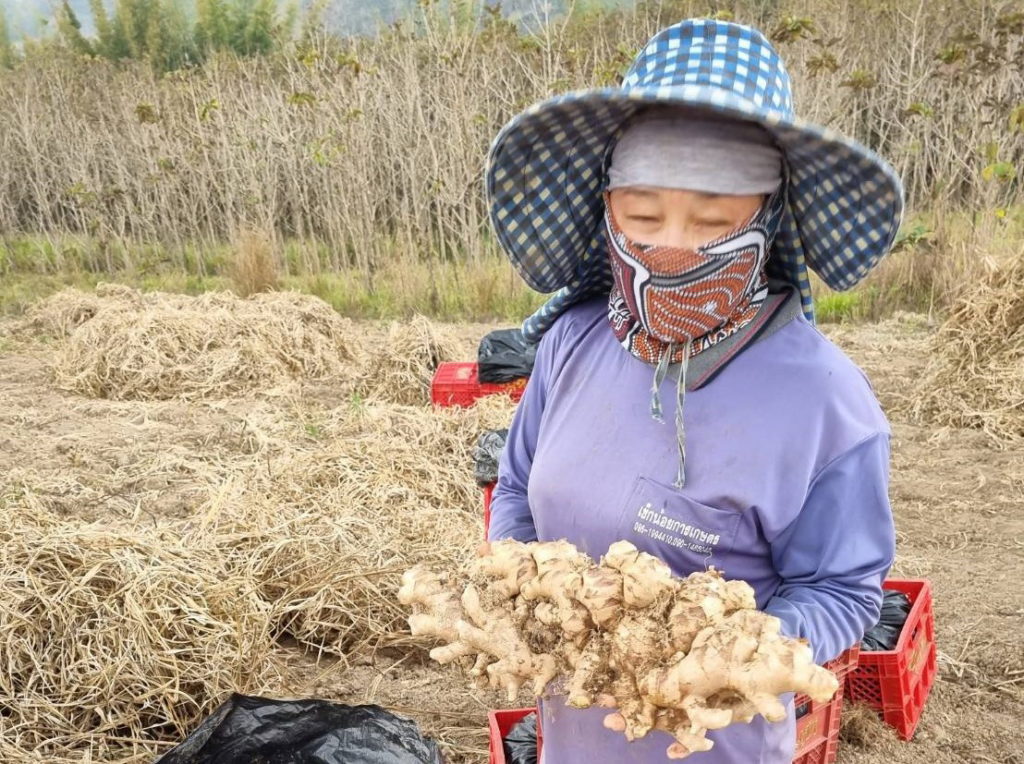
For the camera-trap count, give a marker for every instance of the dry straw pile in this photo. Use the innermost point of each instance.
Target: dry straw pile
(118, 636)
(976, 377)
(61, 313)
(111, 639)
(325, 532)
(126, 345)
(400, 368)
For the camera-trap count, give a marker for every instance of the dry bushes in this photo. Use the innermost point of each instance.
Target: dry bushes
(976, 377)
(190, 157)
(120, 633)
(861, 728)
(253, 268)
(401, 368)
(157, 346)
(60, 314)
(326, 532)
(123, 344)
(112, 638)
(301, 515)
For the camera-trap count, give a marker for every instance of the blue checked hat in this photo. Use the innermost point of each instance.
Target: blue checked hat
(546, 169)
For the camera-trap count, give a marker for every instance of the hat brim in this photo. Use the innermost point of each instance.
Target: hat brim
(545, 174)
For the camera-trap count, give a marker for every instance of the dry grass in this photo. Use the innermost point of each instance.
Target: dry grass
(328, 531)
(126, 526)
(371, 149)
(120, 629)
(112, 639)
(862, 728)
(976, 376)
(152, 346)
(60, 314)
(386, 484)
(253, 267)
(400, 368)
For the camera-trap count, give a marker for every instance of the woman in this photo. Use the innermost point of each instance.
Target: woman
(682, 398)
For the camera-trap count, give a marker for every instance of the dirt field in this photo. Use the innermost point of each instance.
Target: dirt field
(958, 500)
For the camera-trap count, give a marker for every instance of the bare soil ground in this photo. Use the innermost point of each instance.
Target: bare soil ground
(957, 497)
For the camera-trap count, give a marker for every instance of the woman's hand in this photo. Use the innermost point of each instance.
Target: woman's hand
(613, 721)
(484, 549)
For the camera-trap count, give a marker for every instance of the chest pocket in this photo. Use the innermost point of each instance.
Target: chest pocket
(686, 534)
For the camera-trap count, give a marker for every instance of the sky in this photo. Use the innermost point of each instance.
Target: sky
(29, 17)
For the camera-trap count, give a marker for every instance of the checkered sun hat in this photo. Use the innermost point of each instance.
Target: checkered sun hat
(546, 169)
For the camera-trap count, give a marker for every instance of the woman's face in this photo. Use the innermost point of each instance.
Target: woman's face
(671, 217)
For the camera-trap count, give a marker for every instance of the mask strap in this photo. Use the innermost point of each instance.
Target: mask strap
(680, 406)
(660, 372)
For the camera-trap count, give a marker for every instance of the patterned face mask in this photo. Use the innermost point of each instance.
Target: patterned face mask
(669, 303)
(671, 298)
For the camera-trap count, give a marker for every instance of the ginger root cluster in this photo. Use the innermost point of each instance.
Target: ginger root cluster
(680, 655)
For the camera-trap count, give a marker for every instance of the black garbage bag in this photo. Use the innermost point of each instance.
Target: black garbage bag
(886, 633)
(504, 355)
(521, 741)
(248, 729)
(486, 454)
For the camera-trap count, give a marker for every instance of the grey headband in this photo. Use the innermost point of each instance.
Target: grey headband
(696, 153)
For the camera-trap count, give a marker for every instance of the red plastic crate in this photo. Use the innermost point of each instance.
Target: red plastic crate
(488, 493)
(457, 384)
(817, 730)
(500, 722)
(896, 683)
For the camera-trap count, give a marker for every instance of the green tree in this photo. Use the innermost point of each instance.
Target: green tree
(157, 43)
(70, 30)
(104, 43)
(213, 25)
(114, 40)
(245, 27)
(255, 23)
(132, 19)
(180, 49)
(7, 54)
(162, 32)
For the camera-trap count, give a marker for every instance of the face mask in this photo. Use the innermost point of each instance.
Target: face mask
(685, 298)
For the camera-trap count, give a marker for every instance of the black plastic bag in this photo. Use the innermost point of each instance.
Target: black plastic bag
(521, 741)
(486, 454)
(886, 633)
(248, 729)
(504, 355)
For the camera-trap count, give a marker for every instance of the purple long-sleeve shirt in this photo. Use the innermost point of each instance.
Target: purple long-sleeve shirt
(787, 489)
